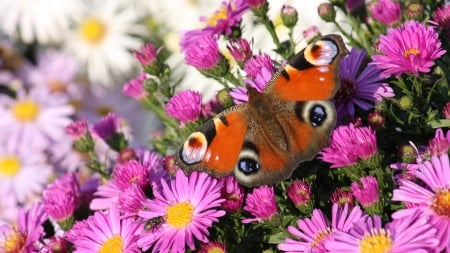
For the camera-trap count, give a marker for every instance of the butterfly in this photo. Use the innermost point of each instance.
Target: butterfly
(263, 141)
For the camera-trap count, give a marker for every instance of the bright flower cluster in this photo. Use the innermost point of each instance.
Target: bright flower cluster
(96, 98)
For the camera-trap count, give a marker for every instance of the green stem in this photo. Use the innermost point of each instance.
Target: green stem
(160, 112)
(347, 35)
(271, 29)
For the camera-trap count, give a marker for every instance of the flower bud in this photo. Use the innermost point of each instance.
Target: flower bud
(414, 11)
(289, 16)
(326, 12)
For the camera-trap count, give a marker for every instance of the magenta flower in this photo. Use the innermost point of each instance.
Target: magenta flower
(239, 95)
(131, 200)
(367, 193)
(107, 126)
(348, 144)
(186, 106)
(446, 111)
(77, 129)
(233, 193)
(106, 231)
(411, 234)
(429, 196)
(221, 22)
(147, 55)
(410, 48)
(240, 50)
(255, 3)
(299, 192)
(130, 173)
(261, 204)
(342, 197)
(358, 88)
(388, 12)
(62, 197)
(314, 232)
(188, 207)
(134, 88)
(26, 234)
(213, 247)
(440, 144)
(260, 70)
(204, 53)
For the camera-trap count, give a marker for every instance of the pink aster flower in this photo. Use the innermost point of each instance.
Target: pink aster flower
(388, 12)
(107, 231)
(239, 95)
(131, 200)
(233, 193)
(313, 233)
(189, 206)
(429, 196)
(34, 119)
(204, 53)
(25, 236)
(77, 129)
(147, 55)
(367, 193)
(358, 88)
(221, 22)
(240, 50)
(213, 247)
(261, 204)
(440, 144)
(446, 111)
(62, 197)
(410, 48)
(186, 106)
(259, 70)
(411, 234)
(107, 126)
(342, 197)
(349, 144)
(299, 192)
(134, 87)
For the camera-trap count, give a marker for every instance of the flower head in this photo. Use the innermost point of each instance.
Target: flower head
(233, 193)
(240, 50)
(189, 206)
(358, 88)
(186, 106)
(429, 196)
(135, 87)
(314, 232)
(342, 197)
(213, 247)
(239, 95)
(261, 204)
(147, 55)
(349, 144)
(107, 231)
(388, 12)
(299, 192)
(259, 70)
(402, 235)
(367, 193)
(410, 48)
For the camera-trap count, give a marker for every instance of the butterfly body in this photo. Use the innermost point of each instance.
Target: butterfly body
(264, 140)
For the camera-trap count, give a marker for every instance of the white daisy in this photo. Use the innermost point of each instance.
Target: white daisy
(23, 174)
(44, 21)
(33, 120)
(104, 37)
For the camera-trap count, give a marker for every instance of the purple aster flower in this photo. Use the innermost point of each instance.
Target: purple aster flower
(313, 233)
(440, 144)
(240, 50)
(61, 198)
(239, 95)
(134, 87)
(107, 126)
(410, 48)
(221, 22)
(260, 70)
(233, 193)
(147, 55)
(366, 192)
(132, 172)
(187, 207)
(411, 234)
(299, 192)
(441, 17)
(186, 106)
(388, 12)
(429, 196)
(311, 33)
(261, 204)
(26, 234)
(77, 129)
(342, 197)
(131, 200)
(348, 144)
(358, 88)
(204, 54)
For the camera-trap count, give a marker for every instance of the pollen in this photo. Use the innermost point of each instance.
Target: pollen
(112, 245)
(180, 214)
(324, 233)
(9, 166)
(377, 241)
(25, 111)
(441, 203)
(93, 30)
(411, 51)
(219, 15)
(14, 242)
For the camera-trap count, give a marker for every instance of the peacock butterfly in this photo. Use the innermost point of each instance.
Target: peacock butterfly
(264, 140)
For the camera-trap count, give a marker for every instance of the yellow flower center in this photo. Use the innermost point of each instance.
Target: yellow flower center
(9, 166)
(57, 86)
(93, 30)
(180, 215)
(14, 242)
(441, 203)
(215, 250)
(25, 111)
(103, 110)
(320, 236)
(378, 241)
(411, 51)
(112, 245)
(221, 14)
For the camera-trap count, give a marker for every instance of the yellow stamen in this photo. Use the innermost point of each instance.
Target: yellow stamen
(93, 30)
(112, 245)
(321, 235)
(9, 166)
(411, 51)
(25, 111)
(378, 241)
(180, 215)
(215, 250)
(14, 242)
(441, 202)
(57, 86)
